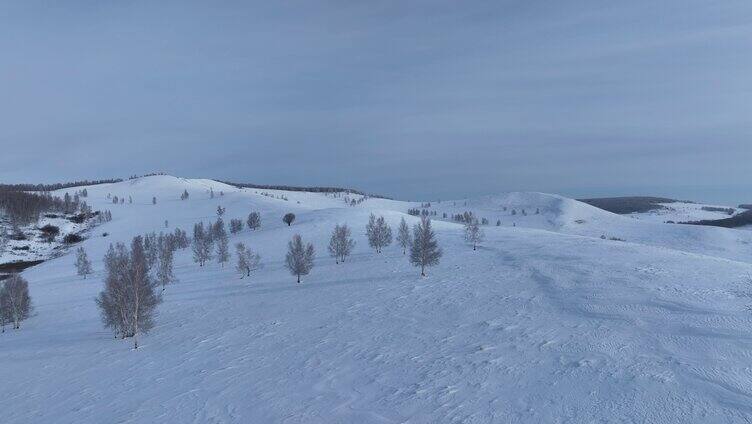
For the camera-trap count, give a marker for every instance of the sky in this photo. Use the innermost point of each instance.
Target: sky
(415, 100)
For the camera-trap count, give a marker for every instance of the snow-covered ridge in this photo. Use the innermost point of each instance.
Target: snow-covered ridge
(545, 322)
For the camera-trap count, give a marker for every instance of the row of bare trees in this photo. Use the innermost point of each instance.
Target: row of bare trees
(422, 243)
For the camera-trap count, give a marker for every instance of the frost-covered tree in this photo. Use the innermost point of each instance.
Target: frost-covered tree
(166, 247)
(151, 250)
(181, 239)
(498, 223)
(153, 200)
(15, 300)
(3, 240)
(223, 249)
(202, 244)
(83, 264)
(299, 259)
(473, 233)
(236, 225)
(254, 221)
(341, 244)
(220, 211)
(404, 238)
(425, 250)
(288, 218)
(5, 315)
(184, 195)
(217, 228)
(248, 260)
(67, 205)
(379, 233)
(128, 302)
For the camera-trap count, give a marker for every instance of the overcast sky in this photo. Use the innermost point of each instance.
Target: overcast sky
(411, 99)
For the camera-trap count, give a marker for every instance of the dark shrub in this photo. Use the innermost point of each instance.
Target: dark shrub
(78, 219)
(49, 232)
(72, 238)
(19, 236)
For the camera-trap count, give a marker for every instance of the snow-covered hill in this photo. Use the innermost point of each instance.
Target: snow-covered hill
(545, 322)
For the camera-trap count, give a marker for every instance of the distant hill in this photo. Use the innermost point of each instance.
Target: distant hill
(626, 205)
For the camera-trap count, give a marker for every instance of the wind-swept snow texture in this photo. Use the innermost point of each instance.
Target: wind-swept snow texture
(545, 322)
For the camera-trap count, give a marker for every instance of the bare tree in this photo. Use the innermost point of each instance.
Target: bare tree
(404, 238)
(202, 244)
(16, 300)
(299, 259)
(5, 315)
(378, 232)
(288, 218)
(128, 302)
(151, 250)
(181, 239)
(3, 240)
(248, 260)
(166, 247)
(236, 225)
(425, 250)
(473, 233)
(341, 244)
(83, 264)
(217, 229)
(254, 221)
(223, 249)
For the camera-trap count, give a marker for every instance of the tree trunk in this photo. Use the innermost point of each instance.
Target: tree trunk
(298, 278)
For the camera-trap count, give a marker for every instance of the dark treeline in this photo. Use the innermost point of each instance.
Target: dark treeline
(153, 174)
(727, 211)
(626, 205)
(304, 189)
(24, 208)
(56, 186)
(740, 220)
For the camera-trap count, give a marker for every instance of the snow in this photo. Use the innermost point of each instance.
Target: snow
(545, 322)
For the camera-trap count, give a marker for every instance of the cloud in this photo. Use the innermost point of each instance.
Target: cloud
(417, 99)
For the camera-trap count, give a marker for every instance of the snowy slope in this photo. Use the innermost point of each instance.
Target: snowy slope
(683, 212)
(546, 322)
(570, 216)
